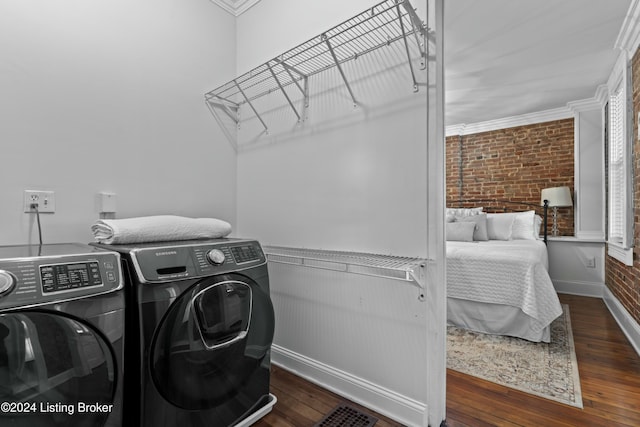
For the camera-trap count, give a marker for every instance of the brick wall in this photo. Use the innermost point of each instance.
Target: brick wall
(513, 164)
(622, 280)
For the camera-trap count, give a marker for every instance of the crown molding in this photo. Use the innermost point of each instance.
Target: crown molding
(235, 7)
(455, 130)
(572, 108)
(594, 103)
(509, 122)
(629, 35)
(602, 93)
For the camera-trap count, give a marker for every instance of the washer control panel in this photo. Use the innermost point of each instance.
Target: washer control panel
(45, 274)
(64, 277)
(168, 263)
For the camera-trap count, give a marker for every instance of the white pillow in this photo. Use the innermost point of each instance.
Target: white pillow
(499, 226)
(463, 211)
(524, 225)
(460, 231)
(480, 220)
(537, 227)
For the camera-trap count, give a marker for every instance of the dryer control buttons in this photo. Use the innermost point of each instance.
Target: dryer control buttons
(215, 257)
(7, 282)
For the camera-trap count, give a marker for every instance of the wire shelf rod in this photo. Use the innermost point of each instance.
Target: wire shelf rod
(369, 31)
(361, 37)
(356, 258)
(319, 69)
(309, 56)
(379, 26)
(360, 19)
(406, 269)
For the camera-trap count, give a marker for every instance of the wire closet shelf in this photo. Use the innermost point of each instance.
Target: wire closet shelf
(379, 26)
(407, 269)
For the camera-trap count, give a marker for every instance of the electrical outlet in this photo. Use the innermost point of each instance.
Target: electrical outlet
(591, 262)
(44, 199)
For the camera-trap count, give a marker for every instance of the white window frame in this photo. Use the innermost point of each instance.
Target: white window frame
(620, 172)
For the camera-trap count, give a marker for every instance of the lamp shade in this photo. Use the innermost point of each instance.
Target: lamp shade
(557, 196)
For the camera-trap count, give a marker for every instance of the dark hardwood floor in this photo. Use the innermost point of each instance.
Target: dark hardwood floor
(609, 376)
(303, 404)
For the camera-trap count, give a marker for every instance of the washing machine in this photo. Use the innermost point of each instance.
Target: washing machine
(200, 324)
(61, 336)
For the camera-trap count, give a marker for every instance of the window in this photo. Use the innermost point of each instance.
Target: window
(619, 134)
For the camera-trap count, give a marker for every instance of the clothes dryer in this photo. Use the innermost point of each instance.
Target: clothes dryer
(61, 336)
(200, 330)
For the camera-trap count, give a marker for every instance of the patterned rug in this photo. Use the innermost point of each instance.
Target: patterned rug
(546, 370)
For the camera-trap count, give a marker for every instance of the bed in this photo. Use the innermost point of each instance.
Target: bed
(497, 273)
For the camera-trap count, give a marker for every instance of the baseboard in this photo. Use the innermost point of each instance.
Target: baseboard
(627, 323)
(386, 402)
(629, 326)
(585, 289)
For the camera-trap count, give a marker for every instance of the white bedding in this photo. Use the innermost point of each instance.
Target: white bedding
(511, 273)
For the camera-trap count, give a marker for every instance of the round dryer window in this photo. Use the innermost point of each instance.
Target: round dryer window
(211, 341)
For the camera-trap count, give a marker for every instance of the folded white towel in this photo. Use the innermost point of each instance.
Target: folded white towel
(157, 229)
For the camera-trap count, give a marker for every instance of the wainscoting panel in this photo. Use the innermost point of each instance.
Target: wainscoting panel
(363, 337)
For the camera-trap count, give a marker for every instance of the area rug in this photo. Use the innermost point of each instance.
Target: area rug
(545, 370)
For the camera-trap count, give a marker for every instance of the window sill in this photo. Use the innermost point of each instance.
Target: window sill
(574, 239)
(623, 255)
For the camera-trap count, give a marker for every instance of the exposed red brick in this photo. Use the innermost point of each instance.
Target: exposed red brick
(623, 280)
(513, 164)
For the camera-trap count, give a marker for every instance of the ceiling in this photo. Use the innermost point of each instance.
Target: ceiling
(506, 58)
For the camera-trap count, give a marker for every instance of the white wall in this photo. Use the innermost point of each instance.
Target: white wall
(108, 96)
(272, 27)
(345, 178)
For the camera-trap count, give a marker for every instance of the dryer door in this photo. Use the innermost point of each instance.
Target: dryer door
(54, 369)
(213, 343)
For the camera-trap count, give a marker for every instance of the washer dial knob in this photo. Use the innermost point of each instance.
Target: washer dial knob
(7, 282)
(215, 257)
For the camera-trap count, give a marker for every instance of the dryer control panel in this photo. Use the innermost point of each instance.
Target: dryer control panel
(156, 264)
(40, 274)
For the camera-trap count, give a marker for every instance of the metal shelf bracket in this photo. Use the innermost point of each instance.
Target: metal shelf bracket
(284, 92)
(406, 46)
(230, 108)
(248, 101)
(337, 64)
(419, 276)
(303, 89)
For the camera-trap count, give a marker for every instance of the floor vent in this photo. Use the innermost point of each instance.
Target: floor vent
(346, 416)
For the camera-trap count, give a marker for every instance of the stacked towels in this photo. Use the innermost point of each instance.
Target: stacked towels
(158, 228)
